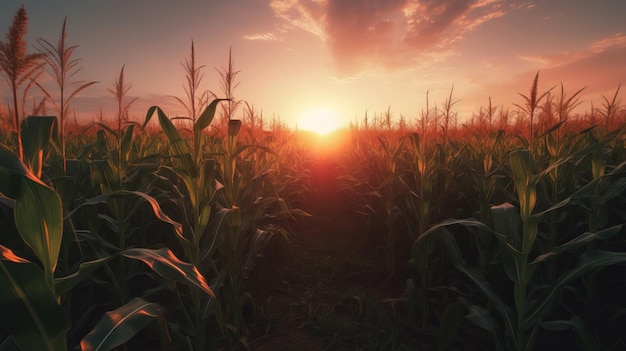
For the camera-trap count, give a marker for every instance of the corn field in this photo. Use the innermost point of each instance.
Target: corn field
(503, 233)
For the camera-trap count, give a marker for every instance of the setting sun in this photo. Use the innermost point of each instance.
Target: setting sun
(320, 120)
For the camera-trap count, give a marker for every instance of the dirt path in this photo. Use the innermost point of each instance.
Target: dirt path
(315, 297)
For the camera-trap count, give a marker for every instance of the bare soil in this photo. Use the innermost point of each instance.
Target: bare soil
(329, 291)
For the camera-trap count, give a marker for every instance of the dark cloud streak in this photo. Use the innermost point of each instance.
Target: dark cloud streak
(429, 21)
(387, 34)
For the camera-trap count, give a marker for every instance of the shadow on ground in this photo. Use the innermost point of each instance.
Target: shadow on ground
(331, 291)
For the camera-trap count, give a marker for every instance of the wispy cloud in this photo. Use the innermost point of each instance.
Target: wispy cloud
(599, 67)
(607, 46)
(522, 5)
(269, 36)
(617, 40)
(387, 34)
(304, 14)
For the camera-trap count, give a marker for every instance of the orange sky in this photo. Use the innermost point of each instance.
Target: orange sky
(347, 56)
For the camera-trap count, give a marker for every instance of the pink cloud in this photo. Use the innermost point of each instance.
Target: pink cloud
(617, 40)
(387, 34)
(597, 49)
(599, 68)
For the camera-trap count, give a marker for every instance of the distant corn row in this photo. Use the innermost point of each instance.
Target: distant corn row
(517, 240)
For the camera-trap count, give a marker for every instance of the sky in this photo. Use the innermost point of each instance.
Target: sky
(349, 57)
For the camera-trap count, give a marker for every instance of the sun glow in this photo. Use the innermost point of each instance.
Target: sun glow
(320, 120)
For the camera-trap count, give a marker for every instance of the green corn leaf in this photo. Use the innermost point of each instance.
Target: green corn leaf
(207, 184)
(126, 146)
(102, 134)
(118, 326)
(451, 320)
(109, 222)
(506, 221)
(598, 163)
(577, 242)
(185, 325)
(212, 307)
(481, 283)
(203, 218)
(36, 133)
(166, 264)
(473, 223)
(205, 119)
(586, 335)
(576, 323)
(618, 188)
(39, 219)
(557, 325)
(551, 145)
(520, 167)
(12, 170)
(515, 265)
(218, 190)
(64, 284)
(241, 148)
(618, 169)
(38, 210)
(104, 176)
(191, 186)
(30, 312)
(177, 144)
(258, 242)
(475, 277)
(483, 319)
(552, 129)
(156, 208)
(552, 166)
(588, 261)
(217, 226)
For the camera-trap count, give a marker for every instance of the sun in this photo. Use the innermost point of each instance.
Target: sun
(319, 120)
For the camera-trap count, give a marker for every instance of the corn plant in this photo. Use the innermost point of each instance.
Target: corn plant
(201, 189)
(556, 144)
(531, 104)
(611, 107)
(225, 201)
(18, 65)
(228, 84)
(31, 292)
(195, 101)
(515, 321)
(110, 167)
(62, 68)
